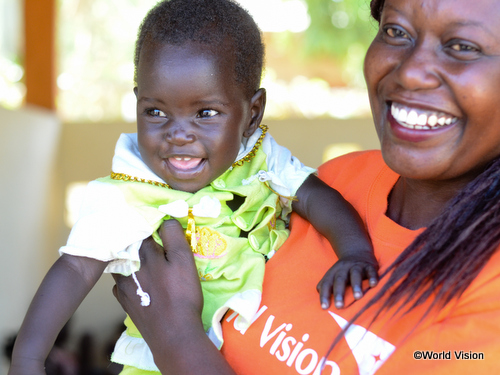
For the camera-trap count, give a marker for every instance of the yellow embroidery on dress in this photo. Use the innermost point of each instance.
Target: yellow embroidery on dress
(205, 274)
(204, 277)
(272, 223)
(191, 232)
(210, 244)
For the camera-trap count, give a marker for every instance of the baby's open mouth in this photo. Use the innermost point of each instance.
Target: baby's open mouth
(185, 163)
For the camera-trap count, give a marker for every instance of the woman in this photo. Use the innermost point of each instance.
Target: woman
(431, 204)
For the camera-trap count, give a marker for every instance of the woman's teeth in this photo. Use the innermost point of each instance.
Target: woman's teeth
(419, 119)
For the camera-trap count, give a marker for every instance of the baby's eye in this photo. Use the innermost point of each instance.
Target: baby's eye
(207, 113)
(395, 32)
(156, 113)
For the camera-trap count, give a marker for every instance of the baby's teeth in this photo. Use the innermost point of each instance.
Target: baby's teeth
(402, 115)
(422, 119)
(178, 158)
(412, 118)
(441, 120)
(448, 121)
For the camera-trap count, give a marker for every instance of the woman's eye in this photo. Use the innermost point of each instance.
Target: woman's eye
(207, 113)
(463, 48)
(156, 113)
(394, 32)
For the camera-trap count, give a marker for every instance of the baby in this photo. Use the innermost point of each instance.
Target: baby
(202, 156)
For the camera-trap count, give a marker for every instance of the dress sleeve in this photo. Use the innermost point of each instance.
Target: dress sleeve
(285, 172)
(108, 229)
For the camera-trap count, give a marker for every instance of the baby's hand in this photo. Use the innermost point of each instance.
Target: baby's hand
(348, 270)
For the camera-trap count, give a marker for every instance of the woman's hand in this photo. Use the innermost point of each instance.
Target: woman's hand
(169, 276)
(171, 324)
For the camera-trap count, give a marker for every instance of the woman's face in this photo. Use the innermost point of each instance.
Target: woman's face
(433, 76)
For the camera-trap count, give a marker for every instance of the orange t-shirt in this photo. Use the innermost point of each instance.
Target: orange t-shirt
(292, 334)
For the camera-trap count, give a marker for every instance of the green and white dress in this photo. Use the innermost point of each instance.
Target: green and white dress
(230, 247)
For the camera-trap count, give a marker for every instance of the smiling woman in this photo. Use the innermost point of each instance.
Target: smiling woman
(453, 78)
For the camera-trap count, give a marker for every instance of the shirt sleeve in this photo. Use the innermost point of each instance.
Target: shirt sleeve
(108, 229)
(285, 172)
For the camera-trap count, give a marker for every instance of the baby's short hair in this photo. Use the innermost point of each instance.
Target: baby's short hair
(210, 22)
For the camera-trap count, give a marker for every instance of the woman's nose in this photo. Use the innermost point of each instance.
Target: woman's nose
(180, 133)
(418, 70)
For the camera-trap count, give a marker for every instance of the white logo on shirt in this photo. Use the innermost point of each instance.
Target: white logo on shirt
(369, 350)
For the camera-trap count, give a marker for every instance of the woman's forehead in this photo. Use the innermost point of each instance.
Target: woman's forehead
(462, 9)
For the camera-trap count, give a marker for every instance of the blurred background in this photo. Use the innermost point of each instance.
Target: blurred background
(66, 80)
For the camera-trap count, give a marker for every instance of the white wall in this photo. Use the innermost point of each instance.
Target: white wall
(28, 141)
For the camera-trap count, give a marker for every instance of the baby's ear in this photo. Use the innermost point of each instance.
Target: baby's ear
(257, 107)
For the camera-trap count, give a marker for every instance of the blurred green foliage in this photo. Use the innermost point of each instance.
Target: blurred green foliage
(338, 26)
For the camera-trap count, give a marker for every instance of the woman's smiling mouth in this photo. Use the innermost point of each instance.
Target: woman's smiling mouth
(419, 119)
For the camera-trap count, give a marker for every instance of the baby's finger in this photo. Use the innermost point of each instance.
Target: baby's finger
(356, 280)
(372, 275)
(325, 291)
(339, 285)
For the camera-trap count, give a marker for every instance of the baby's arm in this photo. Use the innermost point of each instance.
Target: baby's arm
(338, 221)
(62, 290)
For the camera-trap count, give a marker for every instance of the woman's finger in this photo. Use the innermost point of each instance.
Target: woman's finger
(124, 287)
(150, 251)
(174, 242)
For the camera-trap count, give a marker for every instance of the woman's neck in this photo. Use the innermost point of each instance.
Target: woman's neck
(414, 204)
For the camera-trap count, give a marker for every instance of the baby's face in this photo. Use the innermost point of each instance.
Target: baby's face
(191, 115)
